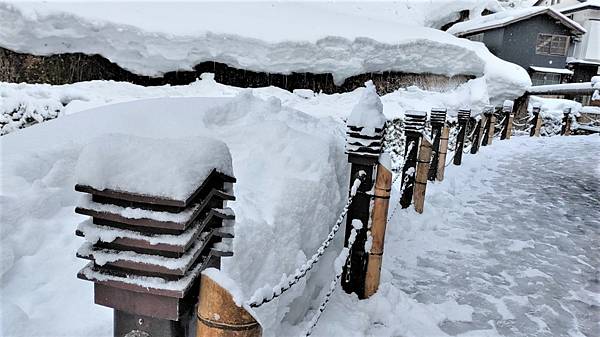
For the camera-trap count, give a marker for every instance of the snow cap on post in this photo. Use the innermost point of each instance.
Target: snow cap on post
(507, 106)
(365, 125)
(368, 113)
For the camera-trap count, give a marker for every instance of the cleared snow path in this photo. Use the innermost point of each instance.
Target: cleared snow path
(508, 245)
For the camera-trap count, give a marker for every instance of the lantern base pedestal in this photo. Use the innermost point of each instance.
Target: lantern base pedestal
(132, 325)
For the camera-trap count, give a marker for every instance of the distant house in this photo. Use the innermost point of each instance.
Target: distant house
(585, 61)
(538, 39)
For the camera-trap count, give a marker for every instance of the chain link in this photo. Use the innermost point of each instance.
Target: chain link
(282, 287)
(332, 286)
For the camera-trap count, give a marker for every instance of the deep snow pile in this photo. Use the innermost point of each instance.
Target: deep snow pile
(275, 38)
(72, 98)
(292, 180)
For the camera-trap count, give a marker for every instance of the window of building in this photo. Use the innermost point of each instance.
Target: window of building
(476, 37)
(545, 78)
(548, 44)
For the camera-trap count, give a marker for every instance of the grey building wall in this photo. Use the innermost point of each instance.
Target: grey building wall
(520, 40)
(494, 40)
(516, 42)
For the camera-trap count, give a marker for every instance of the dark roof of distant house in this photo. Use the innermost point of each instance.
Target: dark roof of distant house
(508, 17)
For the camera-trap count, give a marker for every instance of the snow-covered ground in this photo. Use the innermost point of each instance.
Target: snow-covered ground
(507, 246)
(292, 182)
(284, 37)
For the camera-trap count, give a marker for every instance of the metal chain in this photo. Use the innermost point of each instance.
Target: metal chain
(332, 288)
(501, 122)
(300, 273)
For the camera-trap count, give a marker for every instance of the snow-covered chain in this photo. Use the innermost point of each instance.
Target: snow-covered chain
(339, 266)
(259, 298)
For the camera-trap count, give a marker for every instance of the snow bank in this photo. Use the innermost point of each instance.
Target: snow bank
(167, 168)
(292, 181)
(283, 42)
(72, 98)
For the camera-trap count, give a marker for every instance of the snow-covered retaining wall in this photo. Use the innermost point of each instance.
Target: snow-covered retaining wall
(331, 44)
(77, 67)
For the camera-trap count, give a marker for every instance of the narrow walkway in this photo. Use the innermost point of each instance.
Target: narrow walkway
(530, 260)
(509, 245)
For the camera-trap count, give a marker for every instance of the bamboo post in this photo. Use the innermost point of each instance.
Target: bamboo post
(219, 315)
(507, 111)
(414, 125)
(490, 126)
(463, 119)
(477, 137)
(520, 106)
(423, 160)
(438, 119)
(441, 165)
(566, 123)
(536, 122)
(379, 213)
(479, 129)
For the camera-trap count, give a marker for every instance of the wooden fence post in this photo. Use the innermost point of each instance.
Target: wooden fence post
(363, 151)
(423, 160)
(219, 316)
(438, 119)
(490, 126)
(463, 118)
(479, 129)
(441, 165)
(414, 125)
(536, 122)
(383, 187)
(565, 130)
(507, 111)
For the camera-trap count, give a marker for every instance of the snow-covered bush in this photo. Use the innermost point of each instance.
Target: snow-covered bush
(393, 142)
(20, 114)
(552, 113)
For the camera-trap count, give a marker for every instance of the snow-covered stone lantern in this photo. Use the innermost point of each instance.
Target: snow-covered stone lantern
(158, 217)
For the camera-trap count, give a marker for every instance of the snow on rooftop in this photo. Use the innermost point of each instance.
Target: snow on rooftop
(552, 70)
(279, 38)
(157, 167)
(503, 18)
(588, 3)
